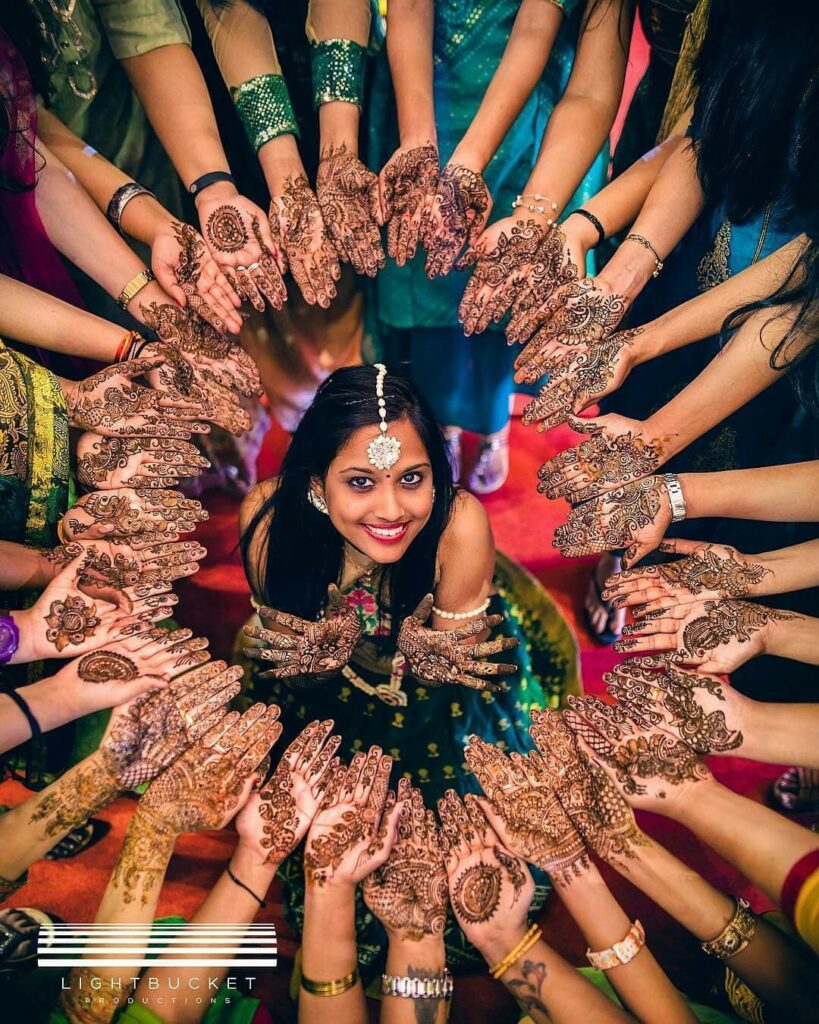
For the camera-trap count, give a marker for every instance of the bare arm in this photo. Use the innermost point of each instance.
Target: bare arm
(409, 51)
(774, 493)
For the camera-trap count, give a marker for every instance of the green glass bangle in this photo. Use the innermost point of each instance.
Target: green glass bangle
(338, 71)
(263, 104)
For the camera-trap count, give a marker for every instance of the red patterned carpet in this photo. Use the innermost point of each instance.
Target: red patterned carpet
(215, 603)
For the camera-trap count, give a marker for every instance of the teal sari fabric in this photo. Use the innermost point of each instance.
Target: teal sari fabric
(412, 318)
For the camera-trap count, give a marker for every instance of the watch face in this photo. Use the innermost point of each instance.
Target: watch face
(8, 639)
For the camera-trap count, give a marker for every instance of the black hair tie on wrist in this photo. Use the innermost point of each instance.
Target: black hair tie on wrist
(590, 217)
(246, 888)
(34, 725)
(210, 178)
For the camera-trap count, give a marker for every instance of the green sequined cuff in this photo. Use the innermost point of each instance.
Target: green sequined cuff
(338, 71)
(264, 106)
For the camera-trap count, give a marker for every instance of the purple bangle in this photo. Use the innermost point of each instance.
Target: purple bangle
(9, 638)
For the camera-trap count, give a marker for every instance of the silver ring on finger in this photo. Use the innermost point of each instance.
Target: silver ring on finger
(253, 266)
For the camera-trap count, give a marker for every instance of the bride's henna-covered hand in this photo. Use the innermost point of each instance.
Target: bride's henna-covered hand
(598, 811)
(110, 403)
(276, 818)
(524, 810)
(709, 572)
(347, 193)
(618, 451)
(455, 216)
(239, 238)
(579, 313)
(697, 708)
(719, 636)
(214, 358)
(104, 463)
(187, 271)
(408, 181)
(153, 563)
(504, 258)
(408, 894)
(354, 830)
(127, 513)
(580, 379)
(634, 517)
(309, 648)
(556, 265)
(437, 656)
(298, 227)
(490, 889)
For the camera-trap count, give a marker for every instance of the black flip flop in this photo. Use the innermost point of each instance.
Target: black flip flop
(79, 839)
(14, 933)
(607, 637)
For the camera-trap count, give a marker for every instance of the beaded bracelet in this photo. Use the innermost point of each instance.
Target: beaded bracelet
(642, 240)
(338, 71)
(462, 615)
(622, 952)
(263, 104)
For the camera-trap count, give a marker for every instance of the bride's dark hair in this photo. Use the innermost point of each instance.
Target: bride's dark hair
(304, 551)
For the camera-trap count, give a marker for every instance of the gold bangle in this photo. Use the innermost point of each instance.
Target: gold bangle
(529, 939)
(642, 240)
(61, 532)
(134, 287)
(330, 988)
(736, 935)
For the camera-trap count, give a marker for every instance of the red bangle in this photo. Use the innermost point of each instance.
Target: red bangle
(796, 878)
(124, 348)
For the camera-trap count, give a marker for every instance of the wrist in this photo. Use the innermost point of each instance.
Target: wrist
(470, 157)
(252, 866)
(221, 191)
(627, 273)
(338, 126)
(646, 344)
(494, 947)
(145, 218)
(415, 137)
(152, 292)
(280, 160)
(428, 951)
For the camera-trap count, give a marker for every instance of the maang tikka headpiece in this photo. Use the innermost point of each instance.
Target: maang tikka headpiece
(385, 450)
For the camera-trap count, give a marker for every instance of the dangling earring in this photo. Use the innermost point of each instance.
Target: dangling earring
(317, 501)
(433, 492)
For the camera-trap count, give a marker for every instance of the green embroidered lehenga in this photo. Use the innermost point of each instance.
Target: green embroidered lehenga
(374, 701)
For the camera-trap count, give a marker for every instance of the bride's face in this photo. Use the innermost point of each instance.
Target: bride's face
(379, 511)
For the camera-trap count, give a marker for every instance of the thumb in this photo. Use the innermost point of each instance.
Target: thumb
(587, 425)
(424, 608)
(681, 546)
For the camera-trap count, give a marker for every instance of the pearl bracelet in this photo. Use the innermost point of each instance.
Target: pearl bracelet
(462, 615)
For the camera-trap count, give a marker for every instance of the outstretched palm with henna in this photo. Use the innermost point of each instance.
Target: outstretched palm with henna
(438, 656)
(309, 648)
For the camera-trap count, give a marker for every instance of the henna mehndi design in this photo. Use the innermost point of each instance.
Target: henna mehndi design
(226, 230)
(347, 193)
(106, 667)
(410, 179)
(298, 227)
(71, 621)
(459, 214)
(631, 508)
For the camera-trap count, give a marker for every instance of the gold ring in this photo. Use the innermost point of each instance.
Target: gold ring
(655, 693)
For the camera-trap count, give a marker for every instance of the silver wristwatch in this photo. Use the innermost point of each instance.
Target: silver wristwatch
(439, 987)
(676, 498)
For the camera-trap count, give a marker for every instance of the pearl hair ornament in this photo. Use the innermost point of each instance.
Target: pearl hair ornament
(385, 450)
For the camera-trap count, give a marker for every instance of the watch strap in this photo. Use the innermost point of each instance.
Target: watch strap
(438, 987)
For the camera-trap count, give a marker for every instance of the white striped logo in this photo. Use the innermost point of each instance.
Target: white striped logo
(158, 944)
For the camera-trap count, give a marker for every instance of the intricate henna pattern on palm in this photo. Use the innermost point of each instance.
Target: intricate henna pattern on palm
(596, 808)
(554, 268)
(634, 752)
(485, 879)
(113, 462)
(687, 704)
(535, 826)
(502, 272)
(310, 648)
(133, 513)
(579, 379)
(577, 313)
(409, 181)
(110, 403)
(196, 272)
(276, 819)
(629, 516)
(298, 227)
(602, 462)
(352, 833)
(347, 193)
(409, 893)
(438, 657)
(456, 217)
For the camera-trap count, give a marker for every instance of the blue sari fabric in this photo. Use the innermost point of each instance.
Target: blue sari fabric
(414, 320)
